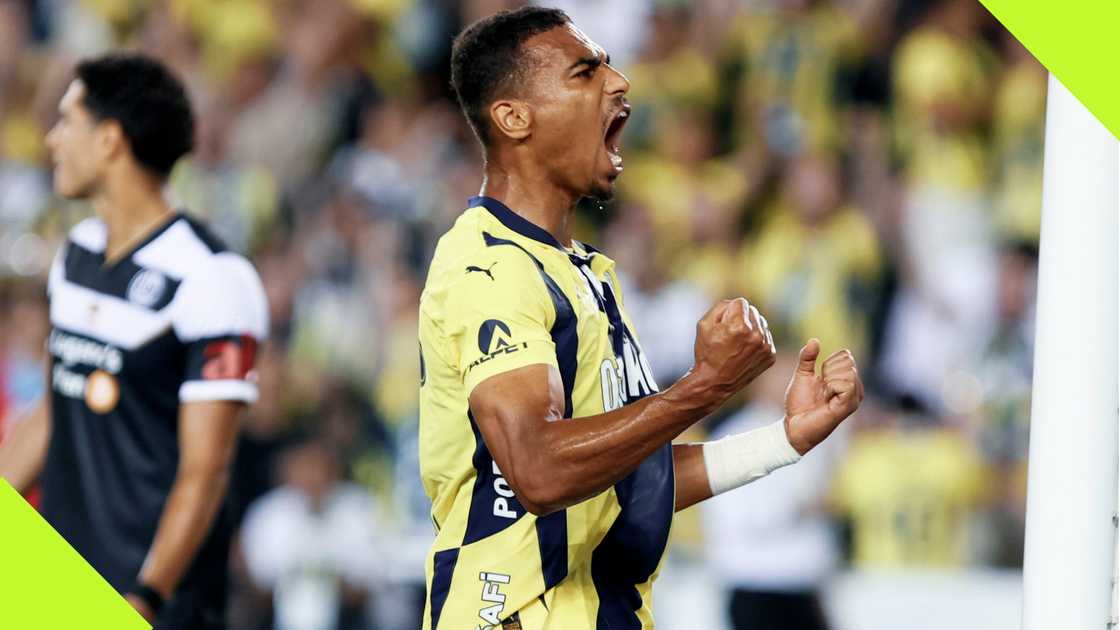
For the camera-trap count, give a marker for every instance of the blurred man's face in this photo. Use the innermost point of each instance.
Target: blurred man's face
(579, 108)
(311, 470)
(813, 187)
(76, 145)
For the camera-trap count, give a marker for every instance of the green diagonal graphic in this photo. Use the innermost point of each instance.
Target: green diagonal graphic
(45, 584)
(1076, 41)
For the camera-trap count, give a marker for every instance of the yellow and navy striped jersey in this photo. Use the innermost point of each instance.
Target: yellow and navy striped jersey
(501, 294)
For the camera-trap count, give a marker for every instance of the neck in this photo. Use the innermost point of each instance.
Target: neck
(534, 197)
(131, 208)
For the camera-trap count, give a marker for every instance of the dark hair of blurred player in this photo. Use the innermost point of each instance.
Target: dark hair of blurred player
(154, 326)
(112, 141)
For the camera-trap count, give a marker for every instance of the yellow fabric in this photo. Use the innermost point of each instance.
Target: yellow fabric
(485, 310)
(685, 78)
(791, 61)
(802, 277)
(909, 495)
(1019, 124)
(941, 85)
(21, 138)
(674, 195)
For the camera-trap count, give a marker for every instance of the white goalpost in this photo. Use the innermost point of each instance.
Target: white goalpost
(1070, 554)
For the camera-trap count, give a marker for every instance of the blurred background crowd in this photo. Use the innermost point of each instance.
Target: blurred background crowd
(866, 171)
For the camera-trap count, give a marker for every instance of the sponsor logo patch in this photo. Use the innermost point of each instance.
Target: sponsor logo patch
(146, 287)
(102, 392)
(495, 340)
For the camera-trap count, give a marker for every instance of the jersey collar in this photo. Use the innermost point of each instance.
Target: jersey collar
(516, 222)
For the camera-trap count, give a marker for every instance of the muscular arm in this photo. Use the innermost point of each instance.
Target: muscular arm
(553, 463)
(24, 450)
(207, 438)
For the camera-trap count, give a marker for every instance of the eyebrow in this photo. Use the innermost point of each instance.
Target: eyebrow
(590, 62)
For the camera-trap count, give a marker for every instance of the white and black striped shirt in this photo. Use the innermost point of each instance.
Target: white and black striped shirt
(175, 320)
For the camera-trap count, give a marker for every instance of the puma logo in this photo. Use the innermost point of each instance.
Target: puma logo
(481, 270)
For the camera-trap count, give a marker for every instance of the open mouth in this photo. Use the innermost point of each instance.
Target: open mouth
(614, 135)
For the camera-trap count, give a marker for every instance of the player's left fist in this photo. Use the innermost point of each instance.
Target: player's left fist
(816, 403)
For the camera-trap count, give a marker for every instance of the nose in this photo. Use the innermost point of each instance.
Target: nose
(616, 84)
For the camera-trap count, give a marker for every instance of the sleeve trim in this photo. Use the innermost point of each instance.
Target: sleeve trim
(195, 391)
(534, 352)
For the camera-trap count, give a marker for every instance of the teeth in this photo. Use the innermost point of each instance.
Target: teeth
(616, 160)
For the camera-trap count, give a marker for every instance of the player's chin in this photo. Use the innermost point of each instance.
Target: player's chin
(65, 189)
(603, 188)
(602, 192)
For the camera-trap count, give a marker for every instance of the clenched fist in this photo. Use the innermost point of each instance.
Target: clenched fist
(733, 346)
(817, 403)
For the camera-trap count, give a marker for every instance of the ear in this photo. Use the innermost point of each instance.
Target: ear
(110, 139)
(512, 119)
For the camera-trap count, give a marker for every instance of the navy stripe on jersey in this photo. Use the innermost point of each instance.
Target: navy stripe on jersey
(494, 506)
(444, 568)
(552, 538)
(552, 530)
(563, 329)
(635, 543)
(87, 269)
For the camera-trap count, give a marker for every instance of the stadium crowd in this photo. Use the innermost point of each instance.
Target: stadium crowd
(866, 171)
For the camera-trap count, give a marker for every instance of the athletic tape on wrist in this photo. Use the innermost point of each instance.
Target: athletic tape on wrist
(739, 459)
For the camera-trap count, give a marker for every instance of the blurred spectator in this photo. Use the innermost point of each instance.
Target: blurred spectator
(944, 309)
(792, 56)
(665, 310)
(1001, 416)
(240, 201)
(22, 374)
(1019, 114)
(814, 264)
(771, 542)
(265, 431)
(910, 485)
(311, 543)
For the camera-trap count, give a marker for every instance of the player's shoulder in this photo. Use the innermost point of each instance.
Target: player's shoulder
(219, 288)
(468, 252)
(188, 249)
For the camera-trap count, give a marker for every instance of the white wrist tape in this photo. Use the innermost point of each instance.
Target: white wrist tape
(739, 459)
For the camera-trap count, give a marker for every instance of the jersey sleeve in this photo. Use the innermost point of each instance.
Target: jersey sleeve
(498, 315)
(220, 316)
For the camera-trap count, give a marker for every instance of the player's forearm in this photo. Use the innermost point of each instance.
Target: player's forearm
(24, 450)
(584, 457)
(692, 476)
(194, 501)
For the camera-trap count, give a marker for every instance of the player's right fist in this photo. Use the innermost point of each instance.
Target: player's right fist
(733, 346)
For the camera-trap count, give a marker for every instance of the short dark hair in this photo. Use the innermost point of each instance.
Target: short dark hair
(486, 59)
(148, 101)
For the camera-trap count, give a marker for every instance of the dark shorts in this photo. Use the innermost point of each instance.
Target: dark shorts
(762, 610)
